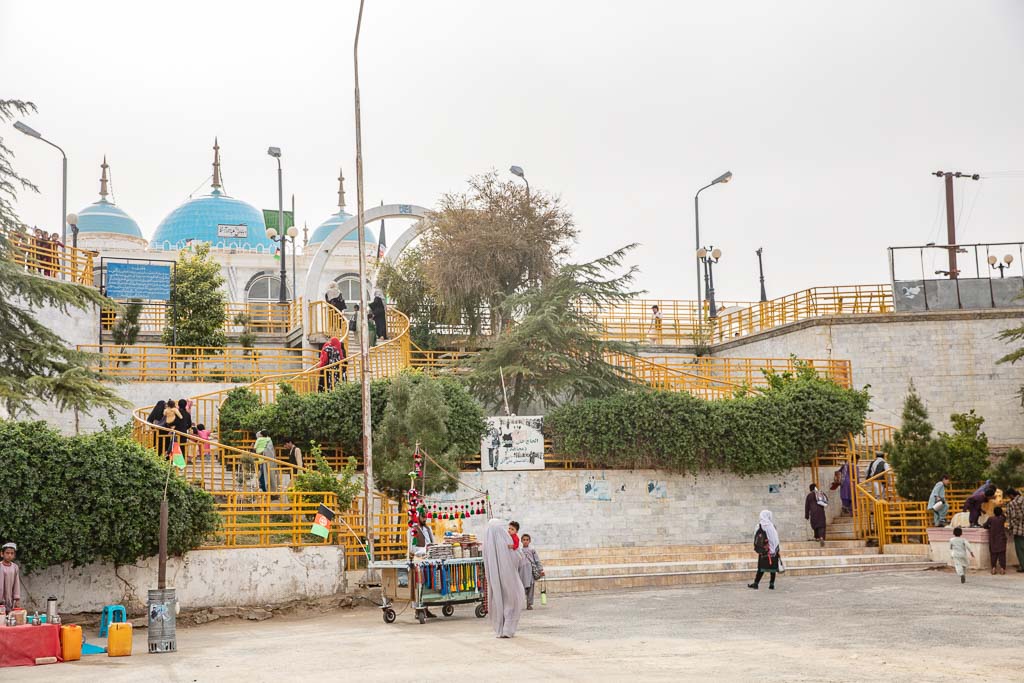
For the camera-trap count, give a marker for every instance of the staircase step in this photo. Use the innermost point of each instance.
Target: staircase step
(597, 557)
(744, 548)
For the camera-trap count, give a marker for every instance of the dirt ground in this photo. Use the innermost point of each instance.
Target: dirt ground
(921, 626)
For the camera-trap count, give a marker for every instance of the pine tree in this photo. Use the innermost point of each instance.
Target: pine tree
(1014, 334)
(918, 458)
(36, 364)
(555, 352)
(199, 310)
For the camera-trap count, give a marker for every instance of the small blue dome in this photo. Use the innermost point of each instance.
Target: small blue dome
(106, 217)
(224, 222)
(328, 226)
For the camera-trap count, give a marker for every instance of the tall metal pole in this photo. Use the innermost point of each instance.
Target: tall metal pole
(760, 268)
(295, 292)
(364, 333)
(282, 237)
(696, 218)
(64, 201)
(947, 177)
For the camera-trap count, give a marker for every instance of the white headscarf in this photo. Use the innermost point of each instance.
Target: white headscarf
(506, 596)
(768, 525)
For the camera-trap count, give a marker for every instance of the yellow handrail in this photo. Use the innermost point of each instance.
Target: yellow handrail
(263, 317)
(195, 363)
(50, 258)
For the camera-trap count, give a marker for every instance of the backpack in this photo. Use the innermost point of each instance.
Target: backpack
(876, 468)
(332, 355)
(760, 542)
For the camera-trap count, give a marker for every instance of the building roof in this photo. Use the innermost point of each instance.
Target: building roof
(328, 226)
(105, 216)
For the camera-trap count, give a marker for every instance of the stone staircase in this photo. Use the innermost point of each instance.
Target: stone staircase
(588, 569)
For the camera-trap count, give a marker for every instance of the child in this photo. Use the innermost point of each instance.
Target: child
(958, 551)
(513, 531)
(996, 525)
(10, 579)
(531, 571)
(204, 434)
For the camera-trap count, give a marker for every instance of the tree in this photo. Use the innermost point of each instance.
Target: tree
(1008, 470)
(320, 478)
(35, 363)
(198, 310)
(126, 328)
(416, 413)
(490, 242)
(405, 284)
(1014, 334)
(554, 352)
(966, 449)
(918, 458)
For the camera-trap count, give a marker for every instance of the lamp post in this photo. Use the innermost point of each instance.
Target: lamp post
(72, 220)
(709, 257)
(279, 234)
(760, 268)
(31, 132)
(724, 178)
(1007, 260)
(518, 171)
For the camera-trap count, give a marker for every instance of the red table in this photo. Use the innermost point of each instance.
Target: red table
(21, 645)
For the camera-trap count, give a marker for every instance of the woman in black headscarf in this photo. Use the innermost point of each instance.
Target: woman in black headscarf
(185, 423)
(378, 310)
(156, 418)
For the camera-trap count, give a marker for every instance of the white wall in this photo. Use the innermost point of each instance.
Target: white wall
(697, 509)
(202, 578)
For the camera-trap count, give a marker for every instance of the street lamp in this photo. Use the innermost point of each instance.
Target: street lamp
(273, 234)
(1007, 260)
(72, 220)
(32, 132)
(724, 178)
(518, 170)
(709, 257)
(760, 268)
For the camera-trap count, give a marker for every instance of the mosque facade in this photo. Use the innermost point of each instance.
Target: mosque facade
(237, 234)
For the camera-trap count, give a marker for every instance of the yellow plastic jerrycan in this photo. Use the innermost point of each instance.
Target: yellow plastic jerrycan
(119, 640)
(71, 642)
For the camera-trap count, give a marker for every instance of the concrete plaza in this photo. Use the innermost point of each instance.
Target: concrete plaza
(906, 626)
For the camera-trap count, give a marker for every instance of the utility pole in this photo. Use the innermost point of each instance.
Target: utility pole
(950, 216)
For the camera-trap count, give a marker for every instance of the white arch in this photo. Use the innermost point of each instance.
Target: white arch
(324, 250)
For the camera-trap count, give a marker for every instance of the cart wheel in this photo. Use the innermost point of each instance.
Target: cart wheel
(447, 610)
(389, 616)
(480, 611)
(421, 616)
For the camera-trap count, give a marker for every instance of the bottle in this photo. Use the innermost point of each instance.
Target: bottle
(35, 619)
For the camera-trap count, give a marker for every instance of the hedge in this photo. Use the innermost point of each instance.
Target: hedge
(771, 430)
(91, 498)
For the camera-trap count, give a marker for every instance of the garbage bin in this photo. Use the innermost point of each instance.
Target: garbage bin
(162, 620)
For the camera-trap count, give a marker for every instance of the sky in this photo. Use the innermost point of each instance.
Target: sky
(831, 115)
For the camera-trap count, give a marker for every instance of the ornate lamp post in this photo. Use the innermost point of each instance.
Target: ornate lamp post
(993, 261)
(709, 257)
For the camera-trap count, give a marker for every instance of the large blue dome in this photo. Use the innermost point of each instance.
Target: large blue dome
(328, 226)
(224, 222)
(106, 217)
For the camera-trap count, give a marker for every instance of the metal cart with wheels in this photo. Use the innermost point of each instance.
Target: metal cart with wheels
(433, 583)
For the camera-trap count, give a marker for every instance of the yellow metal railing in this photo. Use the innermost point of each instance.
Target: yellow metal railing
(50, 258)
(196, 363)
(263, 317)
(808, 303)
(750, 371)
(634, 320)
(324, 321)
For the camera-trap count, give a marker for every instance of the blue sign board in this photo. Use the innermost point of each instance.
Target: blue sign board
(138, 281)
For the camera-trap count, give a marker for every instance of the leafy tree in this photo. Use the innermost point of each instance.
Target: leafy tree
(322, 478)
(966, 449)
(199, 310)
(126, 328)
(555, 352)
(1008, 470)
(35, 363)
(405, 285)
(92, 498)
(918, 458)
(487, 243)
(1014, 334)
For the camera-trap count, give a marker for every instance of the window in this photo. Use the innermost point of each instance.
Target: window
(265, 288)
(349, 287)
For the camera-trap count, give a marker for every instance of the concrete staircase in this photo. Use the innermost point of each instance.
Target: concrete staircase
(589, 569)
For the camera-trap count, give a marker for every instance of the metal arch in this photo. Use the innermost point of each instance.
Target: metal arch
(330, 243)
(404, 240)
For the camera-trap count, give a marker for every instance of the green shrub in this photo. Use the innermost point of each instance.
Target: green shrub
(772, 430)
(1008, 470)
(322, 478)
(91, 498)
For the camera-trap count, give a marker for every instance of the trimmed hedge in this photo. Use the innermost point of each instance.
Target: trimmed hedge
(771, 430)
(91, 498)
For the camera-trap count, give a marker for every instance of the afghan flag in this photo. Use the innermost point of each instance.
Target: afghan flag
(322, 521)
(177, 459)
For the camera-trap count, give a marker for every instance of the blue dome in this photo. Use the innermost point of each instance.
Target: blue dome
(106, 217)
(328, 226)
(224, 222)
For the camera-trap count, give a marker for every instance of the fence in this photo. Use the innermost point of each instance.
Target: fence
(634, 320)
(750, 371)
(196, 363)
(51, 259)
(260, 317)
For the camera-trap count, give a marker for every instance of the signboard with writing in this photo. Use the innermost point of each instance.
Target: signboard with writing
(270, 219)
(138, 281)
(513, 443)
(232, 231)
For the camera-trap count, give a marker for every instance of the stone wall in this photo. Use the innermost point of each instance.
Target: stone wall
(598, 508)
(950, 356)
(241, 577)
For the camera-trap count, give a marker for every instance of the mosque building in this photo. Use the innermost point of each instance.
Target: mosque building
(237, 234)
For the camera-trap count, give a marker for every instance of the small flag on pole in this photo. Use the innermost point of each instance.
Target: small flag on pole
(382, 240)
(177, 459)
(322, 521)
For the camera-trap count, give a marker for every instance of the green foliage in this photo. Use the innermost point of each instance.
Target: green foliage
(199, 310)
(1014, 334)
(345, 485)
(126, 328)
(771, 430)
(555, 351)
(920, 459)
(89, 498)
(234, 411)
(35, 363)
(247, 339)
(1007, 471)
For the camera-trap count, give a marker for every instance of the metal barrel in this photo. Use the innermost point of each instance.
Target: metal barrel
(162, 620)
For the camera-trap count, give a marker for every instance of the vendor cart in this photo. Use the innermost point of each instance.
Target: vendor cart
(427, 583)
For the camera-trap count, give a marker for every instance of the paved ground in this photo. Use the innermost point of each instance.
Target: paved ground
(921, 626)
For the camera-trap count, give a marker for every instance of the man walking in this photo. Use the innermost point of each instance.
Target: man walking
(814, 511)
(937, 501)
(1015, 524)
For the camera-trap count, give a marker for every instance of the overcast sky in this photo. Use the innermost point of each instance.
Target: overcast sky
(831, 115)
